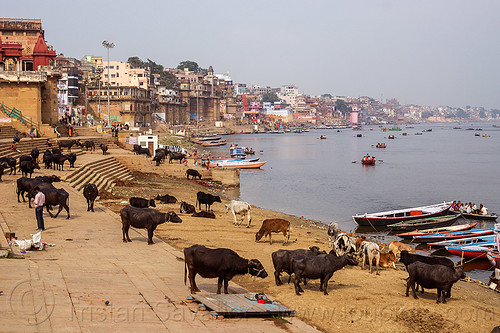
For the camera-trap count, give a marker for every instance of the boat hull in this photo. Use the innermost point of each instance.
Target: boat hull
(449, 236)
(472, 253)
(441, 230)
(373, 220)
(439, 221)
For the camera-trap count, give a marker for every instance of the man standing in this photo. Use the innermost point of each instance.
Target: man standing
(39, 202)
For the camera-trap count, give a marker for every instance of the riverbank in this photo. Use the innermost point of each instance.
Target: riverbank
(357, 300)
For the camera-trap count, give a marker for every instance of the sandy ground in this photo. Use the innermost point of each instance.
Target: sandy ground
(357, 300)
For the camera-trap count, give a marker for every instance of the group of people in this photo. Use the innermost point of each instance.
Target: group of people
(116, 128)
(469, 208)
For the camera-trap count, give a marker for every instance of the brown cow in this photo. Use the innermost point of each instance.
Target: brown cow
(396, 247)
(273, 225)
(359, 240)
(208, 215)
(387, 260)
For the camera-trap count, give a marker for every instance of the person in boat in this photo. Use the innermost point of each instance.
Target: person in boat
(468, 208)
(454, 206)
(483, 210)
(474, 208)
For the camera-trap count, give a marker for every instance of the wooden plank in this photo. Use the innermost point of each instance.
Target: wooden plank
(240, 304)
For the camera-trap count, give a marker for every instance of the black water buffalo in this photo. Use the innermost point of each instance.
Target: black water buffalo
(176, 156)
(48, 159)
(433, 276)
(193, 173)
(207, 215)
(24, 185)
(166, 198)
(90, 192)
(136, 149)
(186, 208)
(27, 167)
(144, 151)
(10, 162)
(144, 218)
(35, 153)
(25, 158)
(282, 260)
(2, 167)
(56, 151)
(408, 258)
(141, 202)
(53, 197)
(71, 159)
(220, 263)
(104, 148)
(66, 144)
(58, 161)
(87, 144)
(319, 267)
(159, 156)
(207, 199)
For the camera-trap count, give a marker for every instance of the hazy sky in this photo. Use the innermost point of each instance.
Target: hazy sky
(425, 52)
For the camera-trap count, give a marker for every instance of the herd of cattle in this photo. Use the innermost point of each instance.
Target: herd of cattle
(427, 272)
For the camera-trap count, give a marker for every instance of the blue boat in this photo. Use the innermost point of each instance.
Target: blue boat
(453, 235)
(464, 241)
(471, 251)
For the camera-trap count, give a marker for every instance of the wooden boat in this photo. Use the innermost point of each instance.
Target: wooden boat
(494, 256)
(470, 216)
(437, 221)
(249, 151)
(453, 235)
(460, 227)
(464, 241)
(400, 215)
(471, 251)
(323, 137)
(253, 163)
(368, 160)
(381, 145)
(209, 141)
(391, 137)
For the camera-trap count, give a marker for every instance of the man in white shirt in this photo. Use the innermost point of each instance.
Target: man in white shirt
(39, 202)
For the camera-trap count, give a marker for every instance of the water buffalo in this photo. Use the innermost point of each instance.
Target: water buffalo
(220, 263)
(193, 173)
(71, 159)
(90, 192)
(35, 153)
(47, 159)
(144, 218)
(166, 198)
(104, 148)
(87, 144)
(187, 208)
(54, 197)
(141, 202)
(27, 167)
(24, 185)
(176, 156)
(319, 267)
(208, 215)
(66, 144)
(58, 161)
(282, 260)
(10, 162)
(207, 199)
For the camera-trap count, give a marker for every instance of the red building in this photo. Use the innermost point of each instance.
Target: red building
(22, 45)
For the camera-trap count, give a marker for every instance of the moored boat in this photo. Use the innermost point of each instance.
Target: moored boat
(464, 241)
(253, 163)
(437, 221)
(440, 230)
(470, 216)
(453, 235)
(471, 251)
(209, 141)
(400, 215)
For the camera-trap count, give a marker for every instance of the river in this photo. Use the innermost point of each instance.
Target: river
(325, 181)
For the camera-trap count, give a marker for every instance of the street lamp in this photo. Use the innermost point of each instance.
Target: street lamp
(108, 45)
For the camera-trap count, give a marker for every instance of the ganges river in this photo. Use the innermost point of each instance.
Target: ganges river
(325, 181)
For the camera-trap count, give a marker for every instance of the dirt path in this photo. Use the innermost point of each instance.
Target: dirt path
(357, 300)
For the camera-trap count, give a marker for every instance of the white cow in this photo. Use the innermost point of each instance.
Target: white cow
(241, 208)
(370, 251)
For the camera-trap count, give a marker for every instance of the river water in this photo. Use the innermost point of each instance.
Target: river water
(325, 181)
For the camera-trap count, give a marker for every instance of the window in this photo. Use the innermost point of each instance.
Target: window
(105, 75)
(139, 75)
(117, 74)
(117, 67)
(112, 67)
(113, 75)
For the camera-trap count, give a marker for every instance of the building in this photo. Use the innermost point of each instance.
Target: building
(22, 45)
(122, 75)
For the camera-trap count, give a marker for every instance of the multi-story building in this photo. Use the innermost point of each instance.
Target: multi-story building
(122, 75)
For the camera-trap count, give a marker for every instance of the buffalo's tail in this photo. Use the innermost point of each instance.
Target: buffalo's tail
(185, 271)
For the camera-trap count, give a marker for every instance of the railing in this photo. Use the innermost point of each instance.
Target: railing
(17, 114)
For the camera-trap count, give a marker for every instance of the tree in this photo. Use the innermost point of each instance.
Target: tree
(461, 113)
(191, 65)
(342, 107)
(135, 62)
(427, 114)
(326, 96)
(482, 114)
(270, 97)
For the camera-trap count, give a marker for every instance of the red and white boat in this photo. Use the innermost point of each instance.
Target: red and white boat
(368, 160)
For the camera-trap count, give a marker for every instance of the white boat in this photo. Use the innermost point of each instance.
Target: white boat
(252, 163)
